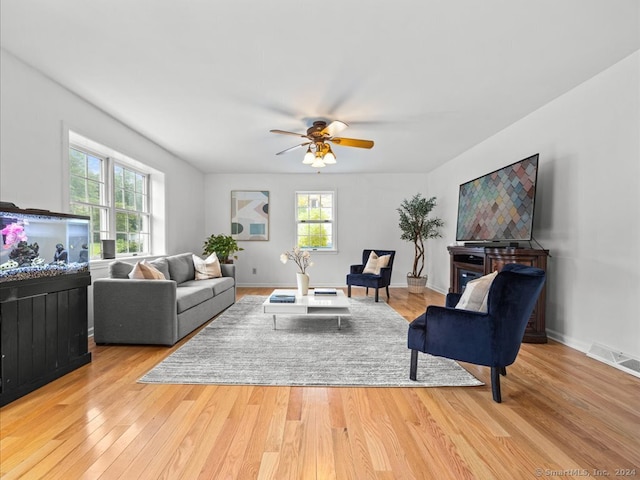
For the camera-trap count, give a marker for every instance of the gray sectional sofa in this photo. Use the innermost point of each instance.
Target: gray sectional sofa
(158, 312)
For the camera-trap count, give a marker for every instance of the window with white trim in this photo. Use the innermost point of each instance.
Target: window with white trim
(116, 198)
(316, 220)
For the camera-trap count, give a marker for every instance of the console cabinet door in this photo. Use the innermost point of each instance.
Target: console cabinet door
(42, 338)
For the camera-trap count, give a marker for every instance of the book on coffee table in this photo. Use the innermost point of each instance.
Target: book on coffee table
(281, 298)
(325, 291)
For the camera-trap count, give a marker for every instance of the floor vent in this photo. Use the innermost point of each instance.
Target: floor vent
(620, 360)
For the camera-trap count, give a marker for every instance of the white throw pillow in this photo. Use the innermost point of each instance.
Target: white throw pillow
(372, 263)
(207, 268)
(144, 271)
(383, 261)
(476, 294)
(375, 263)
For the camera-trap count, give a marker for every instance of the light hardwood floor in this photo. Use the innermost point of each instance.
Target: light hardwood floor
(563, 415)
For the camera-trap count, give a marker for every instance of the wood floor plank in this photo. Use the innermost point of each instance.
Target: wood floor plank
(560, 410)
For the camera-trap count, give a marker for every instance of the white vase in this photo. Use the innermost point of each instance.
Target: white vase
(303, 283)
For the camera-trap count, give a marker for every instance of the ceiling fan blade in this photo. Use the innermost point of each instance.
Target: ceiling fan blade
(284, 132)
(334, 128)
(352, 142)
(294, 148)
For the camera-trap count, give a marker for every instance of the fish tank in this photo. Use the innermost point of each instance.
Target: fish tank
(38, 244)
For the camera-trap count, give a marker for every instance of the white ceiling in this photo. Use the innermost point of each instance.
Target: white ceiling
(426, 80)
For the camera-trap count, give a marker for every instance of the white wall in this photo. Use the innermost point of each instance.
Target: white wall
(367, 218)
(35, 112)
(32, 161)
(588, 204)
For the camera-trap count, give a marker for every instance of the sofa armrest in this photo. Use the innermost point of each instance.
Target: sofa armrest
(228, 270)
(356, 268)
(135, 311)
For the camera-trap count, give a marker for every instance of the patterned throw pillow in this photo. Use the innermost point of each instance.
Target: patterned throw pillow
(144, 271)
(207, 268)
(476, 294)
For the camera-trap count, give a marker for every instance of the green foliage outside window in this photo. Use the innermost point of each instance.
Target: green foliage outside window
(88, 196)
(315, 216)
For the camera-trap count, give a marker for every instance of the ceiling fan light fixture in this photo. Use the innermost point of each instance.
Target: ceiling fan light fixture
(329, 158)
(318, 162)
(309, 157)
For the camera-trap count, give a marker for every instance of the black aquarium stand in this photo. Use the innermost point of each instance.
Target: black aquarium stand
(43, 324)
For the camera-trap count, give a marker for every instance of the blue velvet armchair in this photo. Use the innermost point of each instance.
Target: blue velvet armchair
(356, 276)
(491, 339)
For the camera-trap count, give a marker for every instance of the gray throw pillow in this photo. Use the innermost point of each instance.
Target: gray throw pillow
(181, 267)
(162, 265)
(120, 269)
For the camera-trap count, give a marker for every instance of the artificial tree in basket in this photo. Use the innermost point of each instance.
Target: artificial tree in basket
(417, 227)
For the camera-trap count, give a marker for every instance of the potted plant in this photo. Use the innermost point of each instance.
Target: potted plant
(417, 227)
(223, 245)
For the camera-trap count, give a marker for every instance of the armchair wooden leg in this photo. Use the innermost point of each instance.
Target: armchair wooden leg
(366, 291)
(376, 294)
(349, 291)
(503, 371)
(414, 365)
(495, 383)
(387, 288)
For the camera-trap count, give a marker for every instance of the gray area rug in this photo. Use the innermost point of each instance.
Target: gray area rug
(241, 347)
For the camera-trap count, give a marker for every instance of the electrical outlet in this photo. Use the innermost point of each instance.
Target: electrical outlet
(254, 271)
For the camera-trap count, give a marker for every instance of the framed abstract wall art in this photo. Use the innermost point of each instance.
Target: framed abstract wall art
(250, 215)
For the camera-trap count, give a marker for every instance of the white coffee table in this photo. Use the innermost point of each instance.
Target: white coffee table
(309, 305)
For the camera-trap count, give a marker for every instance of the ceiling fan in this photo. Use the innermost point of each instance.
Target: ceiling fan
(319, 153)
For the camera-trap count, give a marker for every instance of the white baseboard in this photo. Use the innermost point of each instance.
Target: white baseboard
(568, 341)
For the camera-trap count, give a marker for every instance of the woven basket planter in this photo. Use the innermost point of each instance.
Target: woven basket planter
(416, 284)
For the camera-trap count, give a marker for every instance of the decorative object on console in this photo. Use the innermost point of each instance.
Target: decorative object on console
(224, 246)
(250, 215)
(108, 249)
(319, 153)
(282, 298)
(417, 227)
(302, 259)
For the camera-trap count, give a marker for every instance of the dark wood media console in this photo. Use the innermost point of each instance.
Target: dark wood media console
(467, 263)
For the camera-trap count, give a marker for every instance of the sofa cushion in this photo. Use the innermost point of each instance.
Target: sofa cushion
(162, 265)
(207, 268)
(145, 271)
(181, 267)
(187, 296)
(217, 285)
(120, 269)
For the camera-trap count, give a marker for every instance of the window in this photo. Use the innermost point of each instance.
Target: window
(116, 198)
(315, 220)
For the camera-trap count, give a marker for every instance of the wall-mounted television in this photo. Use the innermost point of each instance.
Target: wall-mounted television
(499, 206)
